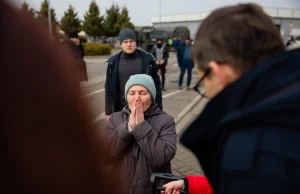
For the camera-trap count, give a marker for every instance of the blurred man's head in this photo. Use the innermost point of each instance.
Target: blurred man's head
(127, 40)
(73, 35)
(159, 43)
(231, 41)
(187, 41)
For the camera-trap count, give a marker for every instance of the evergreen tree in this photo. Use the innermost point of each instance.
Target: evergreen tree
(70, 21)
(25, 8)
(124, 19)
(111, 25)
(93, 21)
(43, 14)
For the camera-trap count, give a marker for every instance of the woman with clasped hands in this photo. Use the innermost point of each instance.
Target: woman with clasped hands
(141, 139)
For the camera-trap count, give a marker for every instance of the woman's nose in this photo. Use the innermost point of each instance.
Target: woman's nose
(137, 97)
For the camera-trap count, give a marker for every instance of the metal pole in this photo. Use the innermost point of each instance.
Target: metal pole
(49, 20)
(159, 11)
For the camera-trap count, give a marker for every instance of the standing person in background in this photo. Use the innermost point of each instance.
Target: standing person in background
(160, 52)
(184, 56)
(74, 45)
(121, 66)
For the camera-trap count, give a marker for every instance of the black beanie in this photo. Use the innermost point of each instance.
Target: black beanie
(126, 34)
(73, 35)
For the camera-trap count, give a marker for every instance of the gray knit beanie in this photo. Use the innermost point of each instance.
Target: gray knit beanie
(143, 80)
(126, 34)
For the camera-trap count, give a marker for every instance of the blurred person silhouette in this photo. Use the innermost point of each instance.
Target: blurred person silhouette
(73, 43)
(247, 137)
(48, 144)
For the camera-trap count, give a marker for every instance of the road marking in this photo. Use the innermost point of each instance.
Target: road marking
(100, 61)
(94, 61)
(95, 92)
(173, 93)
(102, 115)
(100, 79)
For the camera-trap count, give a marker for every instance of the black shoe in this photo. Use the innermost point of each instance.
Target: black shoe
(164, 90)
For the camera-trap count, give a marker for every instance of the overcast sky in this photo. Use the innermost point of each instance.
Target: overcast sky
(141, 11)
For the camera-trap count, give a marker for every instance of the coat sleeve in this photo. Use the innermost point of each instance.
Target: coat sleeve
(117, 140)
(108, 91)
(157, 83)
(166, 53)
(152, 51)
(158, 148)
(198, 185)
(179, 55)
(178, 52)
(82, 53)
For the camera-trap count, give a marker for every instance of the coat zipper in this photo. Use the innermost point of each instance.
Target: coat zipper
(110, 70)
(150, 66)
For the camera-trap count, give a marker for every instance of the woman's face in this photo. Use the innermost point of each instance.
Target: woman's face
(137, 92)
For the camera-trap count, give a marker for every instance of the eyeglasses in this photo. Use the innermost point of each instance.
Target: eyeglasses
(199, 84)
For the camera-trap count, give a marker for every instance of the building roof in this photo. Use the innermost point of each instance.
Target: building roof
(273, 12)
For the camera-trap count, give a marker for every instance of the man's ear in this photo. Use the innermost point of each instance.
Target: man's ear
(223, 72)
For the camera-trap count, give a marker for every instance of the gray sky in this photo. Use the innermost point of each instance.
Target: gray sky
(141, 11)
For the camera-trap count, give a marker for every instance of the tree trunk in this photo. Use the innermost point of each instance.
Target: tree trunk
(113, 42)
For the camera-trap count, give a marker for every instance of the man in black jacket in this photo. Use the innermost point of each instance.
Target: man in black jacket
(161, 53)
(129, 61)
